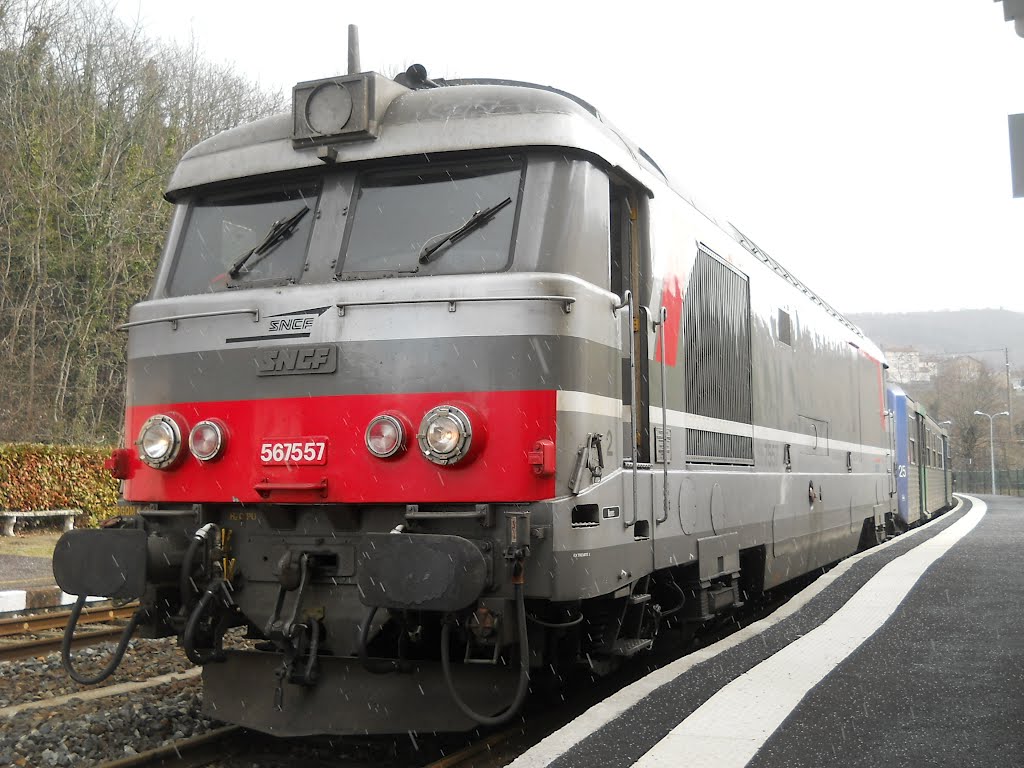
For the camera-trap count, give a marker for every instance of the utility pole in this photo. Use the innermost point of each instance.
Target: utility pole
(1009, 390)
(992, 442)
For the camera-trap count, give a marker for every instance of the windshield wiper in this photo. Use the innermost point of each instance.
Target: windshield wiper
(477, 220)
(278, 232)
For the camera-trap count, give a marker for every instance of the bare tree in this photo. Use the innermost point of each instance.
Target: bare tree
(93, 117)
(965, 385)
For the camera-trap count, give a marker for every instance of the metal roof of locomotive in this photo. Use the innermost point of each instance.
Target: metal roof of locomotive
(459, 116)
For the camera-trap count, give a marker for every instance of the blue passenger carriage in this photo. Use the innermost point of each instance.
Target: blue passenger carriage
(921, 461)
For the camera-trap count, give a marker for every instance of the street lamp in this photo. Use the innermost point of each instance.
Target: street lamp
(992, 441)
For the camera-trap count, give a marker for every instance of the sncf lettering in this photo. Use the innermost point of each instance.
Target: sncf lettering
(292, 324)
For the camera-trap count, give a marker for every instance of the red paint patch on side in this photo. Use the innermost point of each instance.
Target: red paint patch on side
(881, 392)
(881, 384)
(672, 301)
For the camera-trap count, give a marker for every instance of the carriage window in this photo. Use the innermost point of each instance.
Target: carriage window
(618, 239)
(243, 240)
(785, 328)
(435, 220)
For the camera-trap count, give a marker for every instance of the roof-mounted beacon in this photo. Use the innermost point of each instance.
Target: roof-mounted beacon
(343, 108)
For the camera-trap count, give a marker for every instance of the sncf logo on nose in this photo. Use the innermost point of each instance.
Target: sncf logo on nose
(283, 361)
(292, 324)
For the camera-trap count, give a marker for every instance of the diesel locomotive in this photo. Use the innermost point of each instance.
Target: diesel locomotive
(445, 385)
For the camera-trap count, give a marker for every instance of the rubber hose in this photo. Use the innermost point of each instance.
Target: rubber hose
(554, 625)
(115, 660)
(682, 602)
(524, 670)
(185, 581)
(189, 639)
(371, 666)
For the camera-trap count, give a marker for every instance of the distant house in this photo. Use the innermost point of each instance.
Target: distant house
(967, 366)
(907, 365)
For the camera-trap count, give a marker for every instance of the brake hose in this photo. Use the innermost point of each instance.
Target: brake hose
(185, 580)
(380, 666)
(524, 670)
(115, 660)
(682, 600)
(556, 625)
(188, 641)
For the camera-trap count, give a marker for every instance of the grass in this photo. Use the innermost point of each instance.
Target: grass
(30, 543)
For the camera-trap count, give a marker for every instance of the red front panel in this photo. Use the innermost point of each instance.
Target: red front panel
(506, 427)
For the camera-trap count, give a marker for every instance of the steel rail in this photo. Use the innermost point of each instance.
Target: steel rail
(193, 752)
(463, 756)
(27, 650)
(39, 622)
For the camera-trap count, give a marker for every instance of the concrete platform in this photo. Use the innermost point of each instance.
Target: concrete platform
(911, 654)
(26, 575)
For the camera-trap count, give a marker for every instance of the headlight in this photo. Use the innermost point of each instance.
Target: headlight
(445, 434)
(385, 436)
(206, 441)
(159, 441)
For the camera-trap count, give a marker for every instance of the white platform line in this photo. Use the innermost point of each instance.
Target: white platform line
(12, 600)
(731, 726)
(595, 718)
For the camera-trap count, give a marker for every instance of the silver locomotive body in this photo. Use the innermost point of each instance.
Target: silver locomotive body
(496, 397)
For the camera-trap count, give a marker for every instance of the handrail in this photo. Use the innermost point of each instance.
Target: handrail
(627, 301)
(663, 316)
(452, 301)
(173, 319)
(265, 487)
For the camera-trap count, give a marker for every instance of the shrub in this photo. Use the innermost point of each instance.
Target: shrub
(39, 477)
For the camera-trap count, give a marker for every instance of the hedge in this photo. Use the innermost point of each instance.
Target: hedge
(39, 477)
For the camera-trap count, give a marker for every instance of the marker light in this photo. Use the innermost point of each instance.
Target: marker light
(159, 441)
(385, 436)
(445, 434)
(206, 440)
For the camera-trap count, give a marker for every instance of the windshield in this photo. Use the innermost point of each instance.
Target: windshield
(399, 212)
(248, 232)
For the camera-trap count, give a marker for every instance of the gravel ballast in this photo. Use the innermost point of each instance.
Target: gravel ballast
(88, 732)
(43, 677)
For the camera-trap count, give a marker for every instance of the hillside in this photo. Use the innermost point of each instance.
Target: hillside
(950, 332)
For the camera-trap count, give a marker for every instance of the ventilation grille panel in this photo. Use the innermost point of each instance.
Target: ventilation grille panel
(717, 336)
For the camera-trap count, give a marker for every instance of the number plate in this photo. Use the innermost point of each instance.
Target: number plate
(297, 451)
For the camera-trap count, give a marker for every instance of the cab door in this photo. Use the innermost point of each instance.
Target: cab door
(630, 281)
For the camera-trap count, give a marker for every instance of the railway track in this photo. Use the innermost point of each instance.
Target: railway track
(195, 752)
(223, 744)
(49, 623)
(232, 747)
(468, 755)
(39, 622)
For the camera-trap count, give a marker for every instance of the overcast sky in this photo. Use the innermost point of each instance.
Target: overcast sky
(862, 144)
